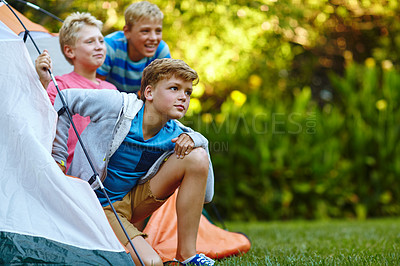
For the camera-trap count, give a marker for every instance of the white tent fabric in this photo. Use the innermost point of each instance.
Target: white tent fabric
(36, 198)
(51, 43)
(43, 40)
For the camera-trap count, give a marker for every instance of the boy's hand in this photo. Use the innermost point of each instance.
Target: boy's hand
(42, 65)
(183, 145)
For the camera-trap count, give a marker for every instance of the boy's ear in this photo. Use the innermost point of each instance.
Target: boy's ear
(148, 93)
(126, 31)
(69, 52)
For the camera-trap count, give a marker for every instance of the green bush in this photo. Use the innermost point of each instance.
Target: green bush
(289, 157)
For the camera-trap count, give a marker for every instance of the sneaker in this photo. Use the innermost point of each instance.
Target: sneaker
(198, 259)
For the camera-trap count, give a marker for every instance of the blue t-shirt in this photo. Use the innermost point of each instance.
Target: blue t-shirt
(134, 157)
(119, 69)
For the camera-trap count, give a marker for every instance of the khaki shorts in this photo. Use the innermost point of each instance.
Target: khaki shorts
(139, 195)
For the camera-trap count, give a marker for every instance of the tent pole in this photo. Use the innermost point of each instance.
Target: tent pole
(40, 9)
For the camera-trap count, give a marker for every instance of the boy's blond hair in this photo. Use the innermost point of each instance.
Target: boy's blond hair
(137, 11)
(71, 27)
(166, 68)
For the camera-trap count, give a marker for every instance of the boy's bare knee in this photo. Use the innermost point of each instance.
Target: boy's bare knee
(198, 158)
(198, 154)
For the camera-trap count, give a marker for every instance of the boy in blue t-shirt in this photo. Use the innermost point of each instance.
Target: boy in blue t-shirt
(131, 50)
(143, 154)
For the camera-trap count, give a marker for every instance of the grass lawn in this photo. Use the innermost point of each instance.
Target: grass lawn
(334, 242)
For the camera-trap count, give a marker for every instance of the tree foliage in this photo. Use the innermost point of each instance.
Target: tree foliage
(267, 45)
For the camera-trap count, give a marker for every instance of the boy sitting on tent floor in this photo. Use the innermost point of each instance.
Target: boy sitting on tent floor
(82, 44)
(143, 154)
(131, 50)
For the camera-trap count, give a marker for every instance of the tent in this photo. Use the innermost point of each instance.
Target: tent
(46, 217)
(214, 242)
(43, 38)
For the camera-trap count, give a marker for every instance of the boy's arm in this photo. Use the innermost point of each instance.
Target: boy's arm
(198, 139)
(97, 104)
(183, 145)
(42, 65)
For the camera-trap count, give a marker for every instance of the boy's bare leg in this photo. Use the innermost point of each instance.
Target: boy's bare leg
(190, 174)
(189, 205)
(146, 252)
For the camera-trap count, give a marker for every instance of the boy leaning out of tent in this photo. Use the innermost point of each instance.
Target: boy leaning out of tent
(142, 154)
(82, 44)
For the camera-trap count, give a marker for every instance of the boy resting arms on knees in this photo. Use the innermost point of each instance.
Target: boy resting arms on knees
(143, 154)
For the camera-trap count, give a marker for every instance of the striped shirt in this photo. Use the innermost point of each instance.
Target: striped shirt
(119, 69)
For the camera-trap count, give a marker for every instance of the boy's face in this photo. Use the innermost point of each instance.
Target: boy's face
(170, 98)
(89, 50)
(143, 38)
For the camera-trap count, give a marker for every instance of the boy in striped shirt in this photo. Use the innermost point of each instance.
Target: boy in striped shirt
(131, 50)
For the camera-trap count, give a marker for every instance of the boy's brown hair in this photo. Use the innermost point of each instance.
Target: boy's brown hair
(166, 68)
(71, 27)
(140, 10)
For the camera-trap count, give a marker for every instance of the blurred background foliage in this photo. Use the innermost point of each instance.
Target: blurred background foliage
(299, 99)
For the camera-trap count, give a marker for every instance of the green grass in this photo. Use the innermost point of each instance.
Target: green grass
(333, 242)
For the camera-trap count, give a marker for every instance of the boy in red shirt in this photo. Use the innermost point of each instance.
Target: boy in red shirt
(82, 44)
